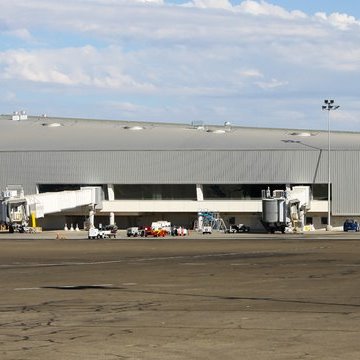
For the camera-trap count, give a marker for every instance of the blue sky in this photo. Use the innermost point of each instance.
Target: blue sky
(253, 63)
(308, 6)
(312, 6)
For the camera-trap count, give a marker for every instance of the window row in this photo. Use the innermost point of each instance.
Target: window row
(187, 191)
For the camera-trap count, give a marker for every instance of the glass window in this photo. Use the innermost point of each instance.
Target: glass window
(320, 191)
(237, 191)
(155, 192)
(66, 187)
(58, 187)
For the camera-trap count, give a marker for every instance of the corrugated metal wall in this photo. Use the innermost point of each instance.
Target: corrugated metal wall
(180, 167)
(345, 175)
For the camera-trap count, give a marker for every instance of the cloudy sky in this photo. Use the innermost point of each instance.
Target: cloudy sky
(253, 63)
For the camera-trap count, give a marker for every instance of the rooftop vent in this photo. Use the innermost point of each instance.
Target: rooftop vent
(19, 115)
(227, 125)
(134, 128)
(216, 131)
(51, 125)
(302, 133)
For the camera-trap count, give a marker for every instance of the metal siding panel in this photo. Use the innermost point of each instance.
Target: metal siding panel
(161, 166)
(181, 167)
(345, 174)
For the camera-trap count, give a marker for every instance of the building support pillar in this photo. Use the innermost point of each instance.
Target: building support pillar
(111, 197)
(199, 192)
(199, 197)
(112, 219)
(91, 216)
(111, 194)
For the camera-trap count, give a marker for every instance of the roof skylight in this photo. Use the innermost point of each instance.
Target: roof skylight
(134, 128)
(52, 125)
(302, 133)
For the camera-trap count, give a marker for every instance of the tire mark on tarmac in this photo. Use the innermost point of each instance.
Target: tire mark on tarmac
(241, 298)
(218, 297)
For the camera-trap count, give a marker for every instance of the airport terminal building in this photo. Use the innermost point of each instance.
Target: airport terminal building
(160, 171)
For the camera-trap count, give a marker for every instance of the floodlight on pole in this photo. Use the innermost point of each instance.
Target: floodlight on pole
(329, 106)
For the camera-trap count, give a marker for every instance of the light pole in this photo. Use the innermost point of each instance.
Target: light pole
(329, 105)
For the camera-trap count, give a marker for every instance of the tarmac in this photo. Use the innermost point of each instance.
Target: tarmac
(231, 296)
(121, 234)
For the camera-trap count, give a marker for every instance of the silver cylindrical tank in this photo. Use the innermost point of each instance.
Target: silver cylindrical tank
(270, 210)
(282, 210)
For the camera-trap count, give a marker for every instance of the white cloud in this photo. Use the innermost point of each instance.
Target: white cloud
(251, 73)
(188, 59)
(154, 20)
(160, 2)
(84, 66)
(341, 21)
(267, 9)
(332, 55)
(124, 106)
(248, 7)
(20, 33)
(272, 84)
(211, 4)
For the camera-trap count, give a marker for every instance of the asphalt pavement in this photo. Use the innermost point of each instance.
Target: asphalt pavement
(241, 296)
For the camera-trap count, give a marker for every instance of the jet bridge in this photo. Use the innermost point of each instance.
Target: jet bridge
(284, 210)
(16, 209)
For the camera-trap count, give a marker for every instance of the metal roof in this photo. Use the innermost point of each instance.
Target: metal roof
(38, 133)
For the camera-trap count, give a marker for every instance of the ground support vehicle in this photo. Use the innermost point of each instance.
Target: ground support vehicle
(113, 230)
(133, 231)
(161, 225)
(351, 225)
(157, 229)
(179, 231)
(207, 230)
(102, 233)
(144, 231)
(159, 233)
(240, 228)
(23, 229)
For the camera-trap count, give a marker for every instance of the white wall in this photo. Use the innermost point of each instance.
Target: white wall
(141, 206)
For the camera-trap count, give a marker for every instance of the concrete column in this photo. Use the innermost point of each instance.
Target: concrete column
(91, 216)
(199, 197)
(199, 192)
(111, 194)
(112, 219)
